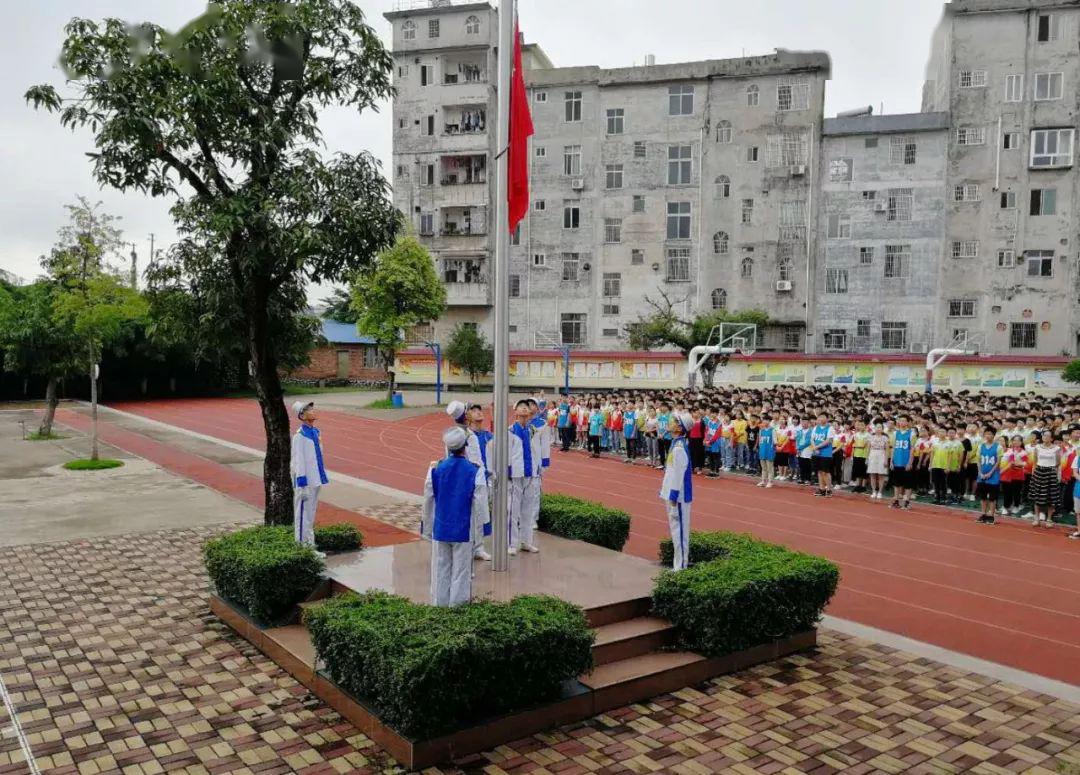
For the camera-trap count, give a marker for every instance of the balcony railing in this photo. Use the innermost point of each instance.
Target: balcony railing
(453, 230)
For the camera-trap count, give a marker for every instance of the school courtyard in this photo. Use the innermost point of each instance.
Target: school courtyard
(949, 648)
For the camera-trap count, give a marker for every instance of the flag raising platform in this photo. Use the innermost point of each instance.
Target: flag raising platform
(634, 655)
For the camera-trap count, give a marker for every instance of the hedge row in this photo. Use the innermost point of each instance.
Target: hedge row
(584, 520)
(429, 670)
(263, 570)
(338, 538)
(752, 592)
(708, 546)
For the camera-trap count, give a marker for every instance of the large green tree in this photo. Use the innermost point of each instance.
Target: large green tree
(398, 293)
(222, 118)
(662, 326)
(470, 352)
(339, 306)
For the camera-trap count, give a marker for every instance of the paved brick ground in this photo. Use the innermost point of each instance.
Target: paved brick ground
(116, 665)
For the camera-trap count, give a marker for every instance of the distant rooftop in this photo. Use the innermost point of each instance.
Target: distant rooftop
(991, 6)
(900, 122)
(342, 333)
(780, 61)
(404, 8)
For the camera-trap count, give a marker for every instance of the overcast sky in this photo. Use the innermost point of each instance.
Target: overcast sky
(879, 51)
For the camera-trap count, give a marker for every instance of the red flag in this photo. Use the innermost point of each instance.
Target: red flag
(521, 129)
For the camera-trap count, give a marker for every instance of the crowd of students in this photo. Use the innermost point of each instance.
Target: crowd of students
(1016, 455)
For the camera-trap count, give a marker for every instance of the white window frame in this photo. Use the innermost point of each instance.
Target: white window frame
(408, 30)
(753, 96)
(841, 170)
(1053, 27)
(836, 280)
(540, 205)
(965, 248)
(721, 243)
(753, 154)
(1055, 159)
(611, 285)
(578, 321)
(571, 268)
(1045, 83)
(433, 28)
(746, 268)
(679, 214)
(572, 101)
(903, 150)
(718, 299)
(889, 330)
(972, 79)
(839, 226)
(571, 216)
(1010, 141)
(966, 192)
(834, 340)
(616, 121)
(1024, 328)
(792, 94)
(866, 255)
(472, 25)
(1007, 200)
(680, 166)
(641, 149)
(748, 211)
(678, 259)
(897, 263)
(572, 161)
(960, 308)
(681, 100)
(1042, 259)
(1047, 204)
(1006, 258)
(541, 152)
(1014, 87)
(613, 176)
(539, 261)
(638, 203)
(970, 135)
(540, 96)
(723, 132)
(612, 231)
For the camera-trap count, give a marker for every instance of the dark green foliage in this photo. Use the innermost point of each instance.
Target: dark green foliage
(338, 538)
(708, 546)
(429, 670)
(470, 352)
(1071, 372)
(263, 570)
(758, 593)
(584, 520)
(86, 464)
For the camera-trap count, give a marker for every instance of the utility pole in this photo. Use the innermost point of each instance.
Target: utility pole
(134, 279)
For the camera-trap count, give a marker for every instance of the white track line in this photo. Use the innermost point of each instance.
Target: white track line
(24, 744)
(336, 476)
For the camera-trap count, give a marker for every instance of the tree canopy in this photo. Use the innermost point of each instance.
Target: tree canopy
(470, 352)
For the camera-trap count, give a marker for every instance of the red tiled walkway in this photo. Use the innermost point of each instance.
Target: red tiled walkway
(1008, 594)
(236, 484)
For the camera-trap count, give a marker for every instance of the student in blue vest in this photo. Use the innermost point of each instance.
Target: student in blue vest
(487, 456)
(805, 451)
(308, 473)
(629, 430)
(821, 441)
(677, 490)
(663, 432)
(524, 474)
(988, 477)
(900, 474)
(459, 413)
(766, 451)
(564, 423)
(455, 498)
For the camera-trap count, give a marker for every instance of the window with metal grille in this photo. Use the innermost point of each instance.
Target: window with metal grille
(970, 135)
(900, 202)
(893, 335)
(792, 94)
(967, 248)
(640, 149)
(678, 265)
(612, 282)
(572, 327)
(967, 192)
(637, 257)
(723, 132)
(835, 340)
(961, 308)
(752, 96)
(639, 203)
(515, 286)
(680, 163)
(836, 281)
(792, 339)
(1040, 263)
(902, 150)
(840, 170)
(615, 120)
(719, 298)
(433, 28)
(720, 243)
(862, 328)
(866, 256)
(747, 269)
(681, 100)
(972, 79)
(613, 176)
(897, 262)
(678, 220)
(572, 104)
(571, 266)
(1023, 336)
(788, 149)
(612, 230)
(748, 211)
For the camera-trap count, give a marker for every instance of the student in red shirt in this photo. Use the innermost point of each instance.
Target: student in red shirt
(697, 442)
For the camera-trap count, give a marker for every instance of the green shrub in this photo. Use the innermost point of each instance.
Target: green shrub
(758, 593)
(338, 538)
(263, 570)
(85, 464)
(708, 546)
(429, 670)
(584, 520)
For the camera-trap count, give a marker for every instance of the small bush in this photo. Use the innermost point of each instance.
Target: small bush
(382, 403)
(584, 520)
(338, 538)
(757, 593)
(263, 570)
(92, 465)
(708, 546)
(430, 670)
(35, 436)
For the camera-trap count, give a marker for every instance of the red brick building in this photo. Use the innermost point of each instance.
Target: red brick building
(346, 357)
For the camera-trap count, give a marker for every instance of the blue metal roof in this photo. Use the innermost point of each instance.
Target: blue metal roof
(342, 333)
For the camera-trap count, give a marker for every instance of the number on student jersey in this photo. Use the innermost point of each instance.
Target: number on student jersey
(901, 443)
(988, 461)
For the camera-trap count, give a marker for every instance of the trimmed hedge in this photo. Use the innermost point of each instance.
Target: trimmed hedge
(757, 593)
(338, 538)
(429, 670)
(583, 520)
(263, 570)
(708, 546)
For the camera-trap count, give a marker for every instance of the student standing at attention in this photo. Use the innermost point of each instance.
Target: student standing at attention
(821, 440)
(308, 473)
(902, 441)
(677, 489)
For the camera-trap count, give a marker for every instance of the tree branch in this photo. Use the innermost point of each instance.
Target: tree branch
(186, 173)
(211, 163)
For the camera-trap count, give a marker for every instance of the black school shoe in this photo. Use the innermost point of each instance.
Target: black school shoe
(985, 519)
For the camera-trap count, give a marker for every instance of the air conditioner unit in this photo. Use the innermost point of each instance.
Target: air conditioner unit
(920, 347)
(880, 207)
(797, 170)
(577, 184)
(783, 285)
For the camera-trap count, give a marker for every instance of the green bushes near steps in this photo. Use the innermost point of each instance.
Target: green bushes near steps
(707, 546)
(262, 570)
(750, 592)
(583, 520)
(428, 671)
(338, 538)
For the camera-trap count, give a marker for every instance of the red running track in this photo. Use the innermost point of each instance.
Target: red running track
(1009, 593)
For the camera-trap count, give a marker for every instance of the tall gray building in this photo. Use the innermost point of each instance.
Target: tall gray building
(719, 185)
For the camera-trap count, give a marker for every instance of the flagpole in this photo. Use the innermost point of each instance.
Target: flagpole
(500, 516)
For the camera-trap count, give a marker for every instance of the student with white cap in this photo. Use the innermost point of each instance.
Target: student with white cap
(541, 448)
(677, 491)
(308, 472)
(459, 413)
(524, 473)
(455, 498)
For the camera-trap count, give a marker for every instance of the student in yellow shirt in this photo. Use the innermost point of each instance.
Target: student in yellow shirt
(738, 432)
(957, 458)
(859, 451)
(939, 463)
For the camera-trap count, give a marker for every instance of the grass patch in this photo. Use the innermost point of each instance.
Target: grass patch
(84, 464)
(382, 403)
(35, 436)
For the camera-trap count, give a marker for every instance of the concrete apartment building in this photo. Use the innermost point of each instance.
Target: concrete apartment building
(1008, 73)
(881, 221)
(719, 185)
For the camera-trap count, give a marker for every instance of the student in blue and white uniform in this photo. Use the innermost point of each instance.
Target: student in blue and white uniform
(988, 477)
(455, 497)
(524, 473)
(677, 490)
(308, 473)
(766, 449)
(459, 413)
(821, 441)
(541, 448)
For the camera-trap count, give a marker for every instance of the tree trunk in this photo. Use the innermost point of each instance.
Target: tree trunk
(277, 478)
(45, 429)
